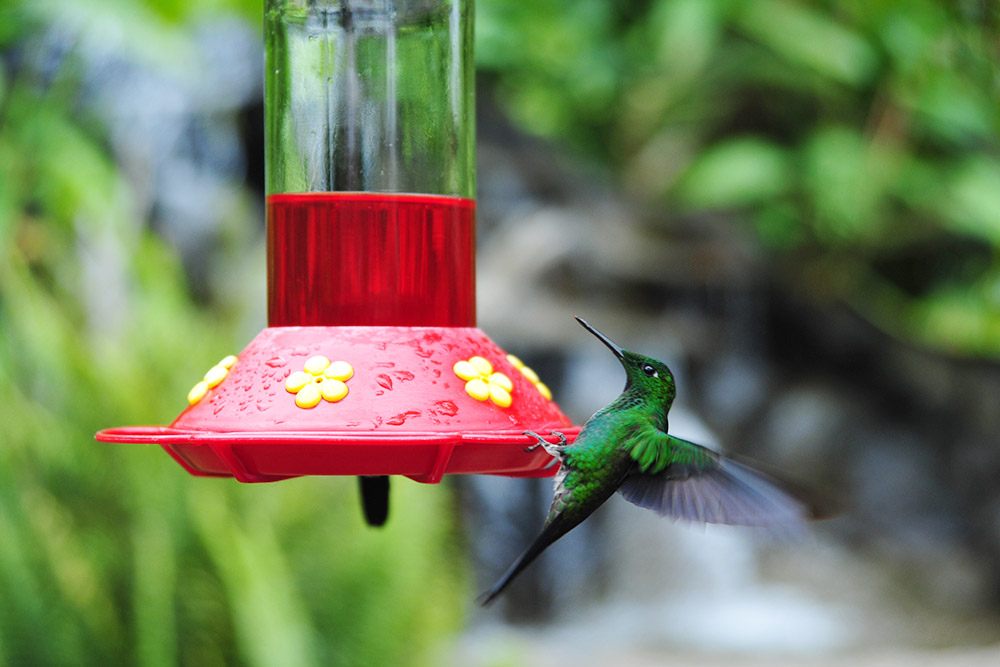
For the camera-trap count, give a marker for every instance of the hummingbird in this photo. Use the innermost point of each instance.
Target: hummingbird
(625, 447)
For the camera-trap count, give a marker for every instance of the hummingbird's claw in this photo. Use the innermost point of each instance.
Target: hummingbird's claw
(551, 448)
(540, 439)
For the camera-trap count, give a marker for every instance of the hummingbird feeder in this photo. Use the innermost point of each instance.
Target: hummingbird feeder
(371, 363)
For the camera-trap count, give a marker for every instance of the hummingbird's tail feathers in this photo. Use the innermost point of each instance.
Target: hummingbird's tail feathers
(726, 492)
(552, 531)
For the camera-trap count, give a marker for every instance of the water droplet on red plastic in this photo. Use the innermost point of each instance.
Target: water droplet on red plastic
(403, 376)
(275, 362)
(447, 408)
(402, 417)
(385, 381)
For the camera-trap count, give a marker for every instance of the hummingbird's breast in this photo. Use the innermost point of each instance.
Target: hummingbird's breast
(595, 464)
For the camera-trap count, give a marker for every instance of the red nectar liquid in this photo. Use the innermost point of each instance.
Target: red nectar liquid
(370, 259)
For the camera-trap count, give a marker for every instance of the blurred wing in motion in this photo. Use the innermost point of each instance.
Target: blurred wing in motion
(702, 485)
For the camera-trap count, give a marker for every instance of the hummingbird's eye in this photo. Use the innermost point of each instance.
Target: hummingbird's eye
(649, 370)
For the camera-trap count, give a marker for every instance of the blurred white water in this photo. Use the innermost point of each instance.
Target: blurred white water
(717, 595)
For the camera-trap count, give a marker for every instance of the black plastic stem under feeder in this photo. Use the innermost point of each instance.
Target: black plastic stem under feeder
(371, 363)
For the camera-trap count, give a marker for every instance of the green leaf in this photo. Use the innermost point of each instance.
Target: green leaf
(847, 176)
(954, 108)
(736, 173)
(684, 34)
(972, 204)
(811, 39)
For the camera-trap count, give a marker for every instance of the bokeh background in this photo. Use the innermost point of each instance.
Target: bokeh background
(795, 204)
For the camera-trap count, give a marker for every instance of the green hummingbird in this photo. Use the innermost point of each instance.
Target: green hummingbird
(625, 447)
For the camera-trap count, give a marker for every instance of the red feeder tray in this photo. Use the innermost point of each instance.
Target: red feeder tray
(406, 411)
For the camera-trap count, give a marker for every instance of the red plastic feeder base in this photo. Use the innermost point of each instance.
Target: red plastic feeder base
(415, 401)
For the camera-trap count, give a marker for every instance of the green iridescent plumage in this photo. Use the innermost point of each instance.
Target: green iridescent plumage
(654, 450)
(625, 447)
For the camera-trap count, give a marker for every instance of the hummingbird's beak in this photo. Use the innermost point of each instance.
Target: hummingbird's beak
(604, 339)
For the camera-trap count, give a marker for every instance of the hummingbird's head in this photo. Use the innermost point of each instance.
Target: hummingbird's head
(647, 378)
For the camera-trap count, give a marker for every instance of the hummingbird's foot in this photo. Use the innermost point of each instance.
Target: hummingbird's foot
(540, 439)
(553, 449)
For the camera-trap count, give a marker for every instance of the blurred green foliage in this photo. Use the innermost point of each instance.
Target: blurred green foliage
(112, 554)
(859, 141)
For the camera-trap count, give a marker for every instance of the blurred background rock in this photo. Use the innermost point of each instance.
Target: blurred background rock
(795, 204)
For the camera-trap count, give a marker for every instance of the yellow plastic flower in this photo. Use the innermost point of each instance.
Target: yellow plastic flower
(319, 379)
(531, 375)
(481, 383)
(213, 377)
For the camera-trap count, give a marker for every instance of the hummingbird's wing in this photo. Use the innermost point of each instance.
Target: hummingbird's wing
(677, 478)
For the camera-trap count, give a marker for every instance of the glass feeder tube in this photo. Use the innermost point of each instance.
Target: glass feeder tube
(370, 140)
(371, 363)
